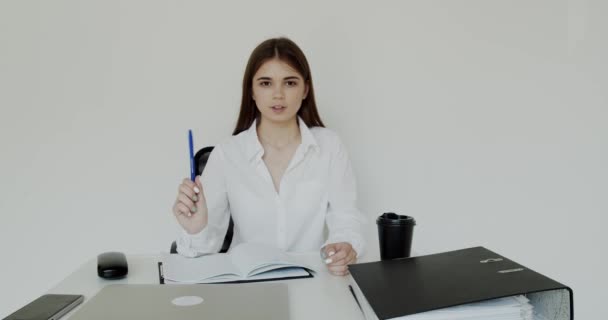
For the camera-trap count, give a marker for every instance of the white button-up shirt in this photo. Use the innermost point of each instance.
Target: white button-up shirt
(317, 190)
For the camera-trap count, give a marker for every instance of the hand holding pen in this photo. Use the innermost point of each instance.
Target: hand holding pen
(190, 207)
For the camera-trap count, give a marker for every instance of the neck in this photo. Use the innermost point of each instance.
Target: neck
(278, 134)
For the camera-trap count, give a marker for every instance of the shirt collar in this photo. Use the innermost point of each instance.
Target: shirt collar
(255, 151)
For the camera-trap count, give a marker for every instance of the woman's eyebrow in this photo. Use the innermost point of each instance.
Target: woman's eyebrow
(286, 78)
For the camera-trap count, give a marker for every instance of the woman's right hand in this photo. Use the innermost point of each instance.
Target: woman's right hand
(190, 207)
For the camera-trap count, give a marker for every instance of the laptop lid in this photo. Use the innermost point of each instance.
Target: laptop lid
(181, 302)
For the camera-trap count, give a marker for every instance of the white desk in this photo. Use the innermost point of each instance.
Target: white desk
(323, 297)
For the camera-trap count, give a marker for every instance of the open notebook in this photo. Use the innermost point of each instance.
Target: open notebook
(245, 262)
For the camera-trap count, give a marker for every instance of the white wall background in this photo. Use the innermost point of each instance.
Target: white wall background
(485, 120)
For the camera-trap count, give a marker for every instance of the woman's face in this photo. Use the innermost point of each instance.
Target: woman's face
(278, 91)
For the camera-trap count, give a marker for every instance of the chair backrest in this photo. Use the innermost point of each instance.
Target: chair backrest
(200, 161)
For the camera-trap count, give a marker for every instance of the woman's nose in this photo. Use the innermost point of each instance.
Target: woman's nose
(278, 92)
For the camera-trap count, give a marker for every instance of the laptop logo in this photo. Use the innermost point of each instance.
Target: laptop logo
(187, 301)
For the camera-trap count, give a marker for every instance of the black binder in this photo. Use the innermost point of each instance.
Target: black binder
(407, 286)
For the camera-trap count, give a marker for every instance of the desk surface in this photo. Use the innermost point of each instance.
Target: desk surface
(323, 297)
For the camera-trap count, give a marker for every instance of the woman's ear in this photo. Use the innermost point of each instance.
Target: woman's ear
(305, 92)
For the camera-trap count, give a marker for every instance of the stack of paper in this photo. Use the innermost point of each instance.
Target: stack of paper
(509, 308)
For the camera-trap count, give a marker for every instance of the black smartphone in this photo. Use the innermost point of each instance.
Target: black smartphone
(47, 307)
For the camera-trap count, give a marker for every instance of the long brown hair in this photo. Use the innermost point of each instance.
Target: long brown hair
(288, 52)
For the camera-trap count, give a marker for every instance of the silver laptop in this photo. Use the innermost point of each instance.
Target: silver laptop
(191, 301)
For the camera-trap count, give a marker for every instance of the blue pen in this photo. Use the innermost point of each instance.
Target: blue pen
(192, 173)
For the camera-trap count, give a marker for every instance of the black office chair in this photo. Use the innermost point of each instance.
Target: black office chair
(200, 161)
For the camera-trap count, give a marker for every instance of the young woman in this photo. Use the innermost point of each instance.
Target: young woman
(282, 176)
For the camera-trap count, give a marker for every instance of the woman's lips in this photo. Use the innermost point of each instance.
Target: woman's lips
(277, 109)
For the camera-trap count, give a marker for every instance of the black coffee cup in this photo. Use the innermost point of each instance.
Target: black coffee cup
(395, 235)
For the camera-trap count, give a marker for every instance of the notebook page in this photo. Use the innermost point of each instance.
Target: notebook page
(280, 273)
(248, 257)
(275, 274)
(194, 270)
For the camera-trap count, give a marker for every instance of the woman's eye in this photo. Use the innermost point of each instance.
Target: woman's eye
(265, 83)
(292, 83)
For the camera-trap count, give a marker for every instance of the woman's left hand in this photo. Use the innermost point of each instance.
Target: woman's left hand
(339, 256)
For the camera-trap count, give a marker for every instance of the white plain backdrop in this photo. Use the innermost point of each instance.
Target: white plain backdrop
(485, 120)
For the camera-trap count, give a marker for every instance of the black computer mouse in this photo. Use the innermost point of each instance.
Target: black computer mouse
(112, 265)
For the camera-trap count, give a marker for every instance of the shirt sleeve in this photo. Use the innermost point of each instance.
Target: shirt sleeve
(210, 239)
(344, 220)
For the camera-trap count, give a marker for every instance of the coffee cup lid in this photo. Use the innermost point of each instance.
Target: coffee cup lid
(391, 218)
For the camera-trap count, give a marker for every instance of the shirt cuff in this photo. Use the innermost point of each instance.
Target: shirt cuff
(195, 245)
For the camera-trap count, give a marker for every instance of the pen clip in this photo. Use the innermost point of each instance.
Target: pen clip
(491, 260)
